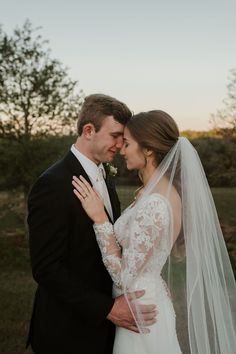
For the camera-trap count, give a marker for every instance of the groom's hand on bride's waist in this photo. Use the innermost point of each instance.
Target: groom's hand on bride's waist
(121, 314)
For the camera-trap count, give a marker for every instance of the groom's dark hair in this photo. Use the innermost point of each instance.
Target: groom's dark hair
(97, 107)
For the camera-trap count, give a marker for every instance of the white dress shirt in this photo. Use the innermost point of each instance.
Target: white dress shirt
(96, 174)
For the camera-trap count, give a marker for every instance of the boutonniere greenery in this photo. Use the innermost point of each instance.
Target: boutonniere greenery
(111, 170)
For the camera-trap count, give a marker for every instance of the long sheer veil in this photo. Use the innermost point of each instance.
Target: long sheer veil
(197, 268)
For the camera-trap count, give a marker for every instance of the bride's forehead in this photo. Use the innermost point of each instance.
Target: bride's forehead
(127, 133)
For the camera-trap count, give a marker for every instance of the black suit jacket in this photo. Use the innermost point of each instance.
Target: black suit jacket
(73, 296)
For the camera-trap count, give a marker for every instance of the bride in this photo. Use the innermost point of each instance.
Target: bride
(169, 243)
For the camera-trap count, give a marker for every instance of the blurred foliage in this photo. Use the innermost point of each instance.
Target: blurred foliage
(21, 164)
(218, 156)
(224, 120)
(193, 134)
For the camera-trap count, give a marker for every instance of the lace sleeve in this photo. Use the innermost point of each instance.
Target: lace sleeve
(150, 225)
(110, 250)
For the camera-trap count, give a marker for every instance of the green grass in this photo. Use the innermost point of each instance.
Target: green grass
(16, 294)
(225, 200)
(16, 284)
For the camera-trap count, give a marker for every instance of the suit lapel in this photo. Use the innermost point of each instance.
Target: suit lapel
(115, 203)
(75, 166)
(77, 170)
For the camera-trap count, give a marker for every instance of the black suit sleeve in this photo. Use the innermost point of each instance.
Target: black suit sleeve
(49, 223)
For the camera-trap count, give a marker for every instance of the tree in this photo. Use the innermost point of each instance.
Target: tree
(224, 121)
(37, 97)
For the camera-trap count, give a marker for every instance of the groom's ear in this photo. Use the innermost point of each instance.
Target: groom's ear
(88, 130)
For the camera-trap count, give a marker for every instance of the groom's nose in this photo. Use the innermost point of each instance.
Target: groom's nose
(122, 150)
(119, 142)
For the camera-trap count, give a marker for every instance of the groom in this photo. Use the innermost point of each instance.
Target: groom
(73, 309)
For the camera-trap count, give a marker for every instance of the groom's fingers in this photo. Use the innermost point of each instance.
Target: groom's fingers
(139, 329)
(148, 312)
(134, 329)
(149, 322)
(147, 315)
(135, 295)
(144, 330)
(147, 308)
(138, 294)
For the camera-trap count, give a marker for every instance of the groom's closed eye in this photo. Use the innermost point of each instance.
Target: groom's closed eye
(116, 135)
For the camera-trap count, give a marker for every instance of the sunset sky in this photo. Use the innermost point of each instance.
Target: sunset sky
(170, 55)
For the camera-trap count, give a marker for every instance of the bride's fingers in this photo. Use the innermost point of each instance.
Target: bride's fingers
(85, 182)
(81, 190)
(81, 181)
(76, 179)
(80, 197)
(80, 186)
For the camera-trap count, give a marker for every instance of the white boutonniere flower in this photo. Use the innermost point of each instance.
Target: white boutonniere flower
(111, 170)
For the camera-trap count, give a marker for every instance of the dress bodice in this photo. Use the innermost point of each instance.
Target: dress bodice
(148, 225)
(143, 234)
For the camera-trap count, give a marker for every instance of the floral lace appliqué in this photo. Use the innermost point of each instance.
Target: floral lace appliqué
(144, 242)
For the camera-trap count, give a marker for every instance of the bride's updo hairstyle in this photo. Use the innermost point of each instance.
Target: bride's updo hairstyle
(155, 131)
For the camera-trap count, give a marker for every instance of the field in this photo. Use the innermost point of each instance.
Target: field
(16, 284)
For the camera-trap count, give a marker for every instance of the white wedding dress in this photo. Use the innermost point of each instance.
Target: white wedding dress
(142, 232)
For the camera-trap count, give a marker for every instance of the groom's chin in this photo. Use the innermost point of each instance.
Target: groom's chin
(109, 159)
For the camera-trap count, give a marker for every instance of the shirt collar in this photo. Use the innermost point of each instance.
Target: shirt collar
(88, 165)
